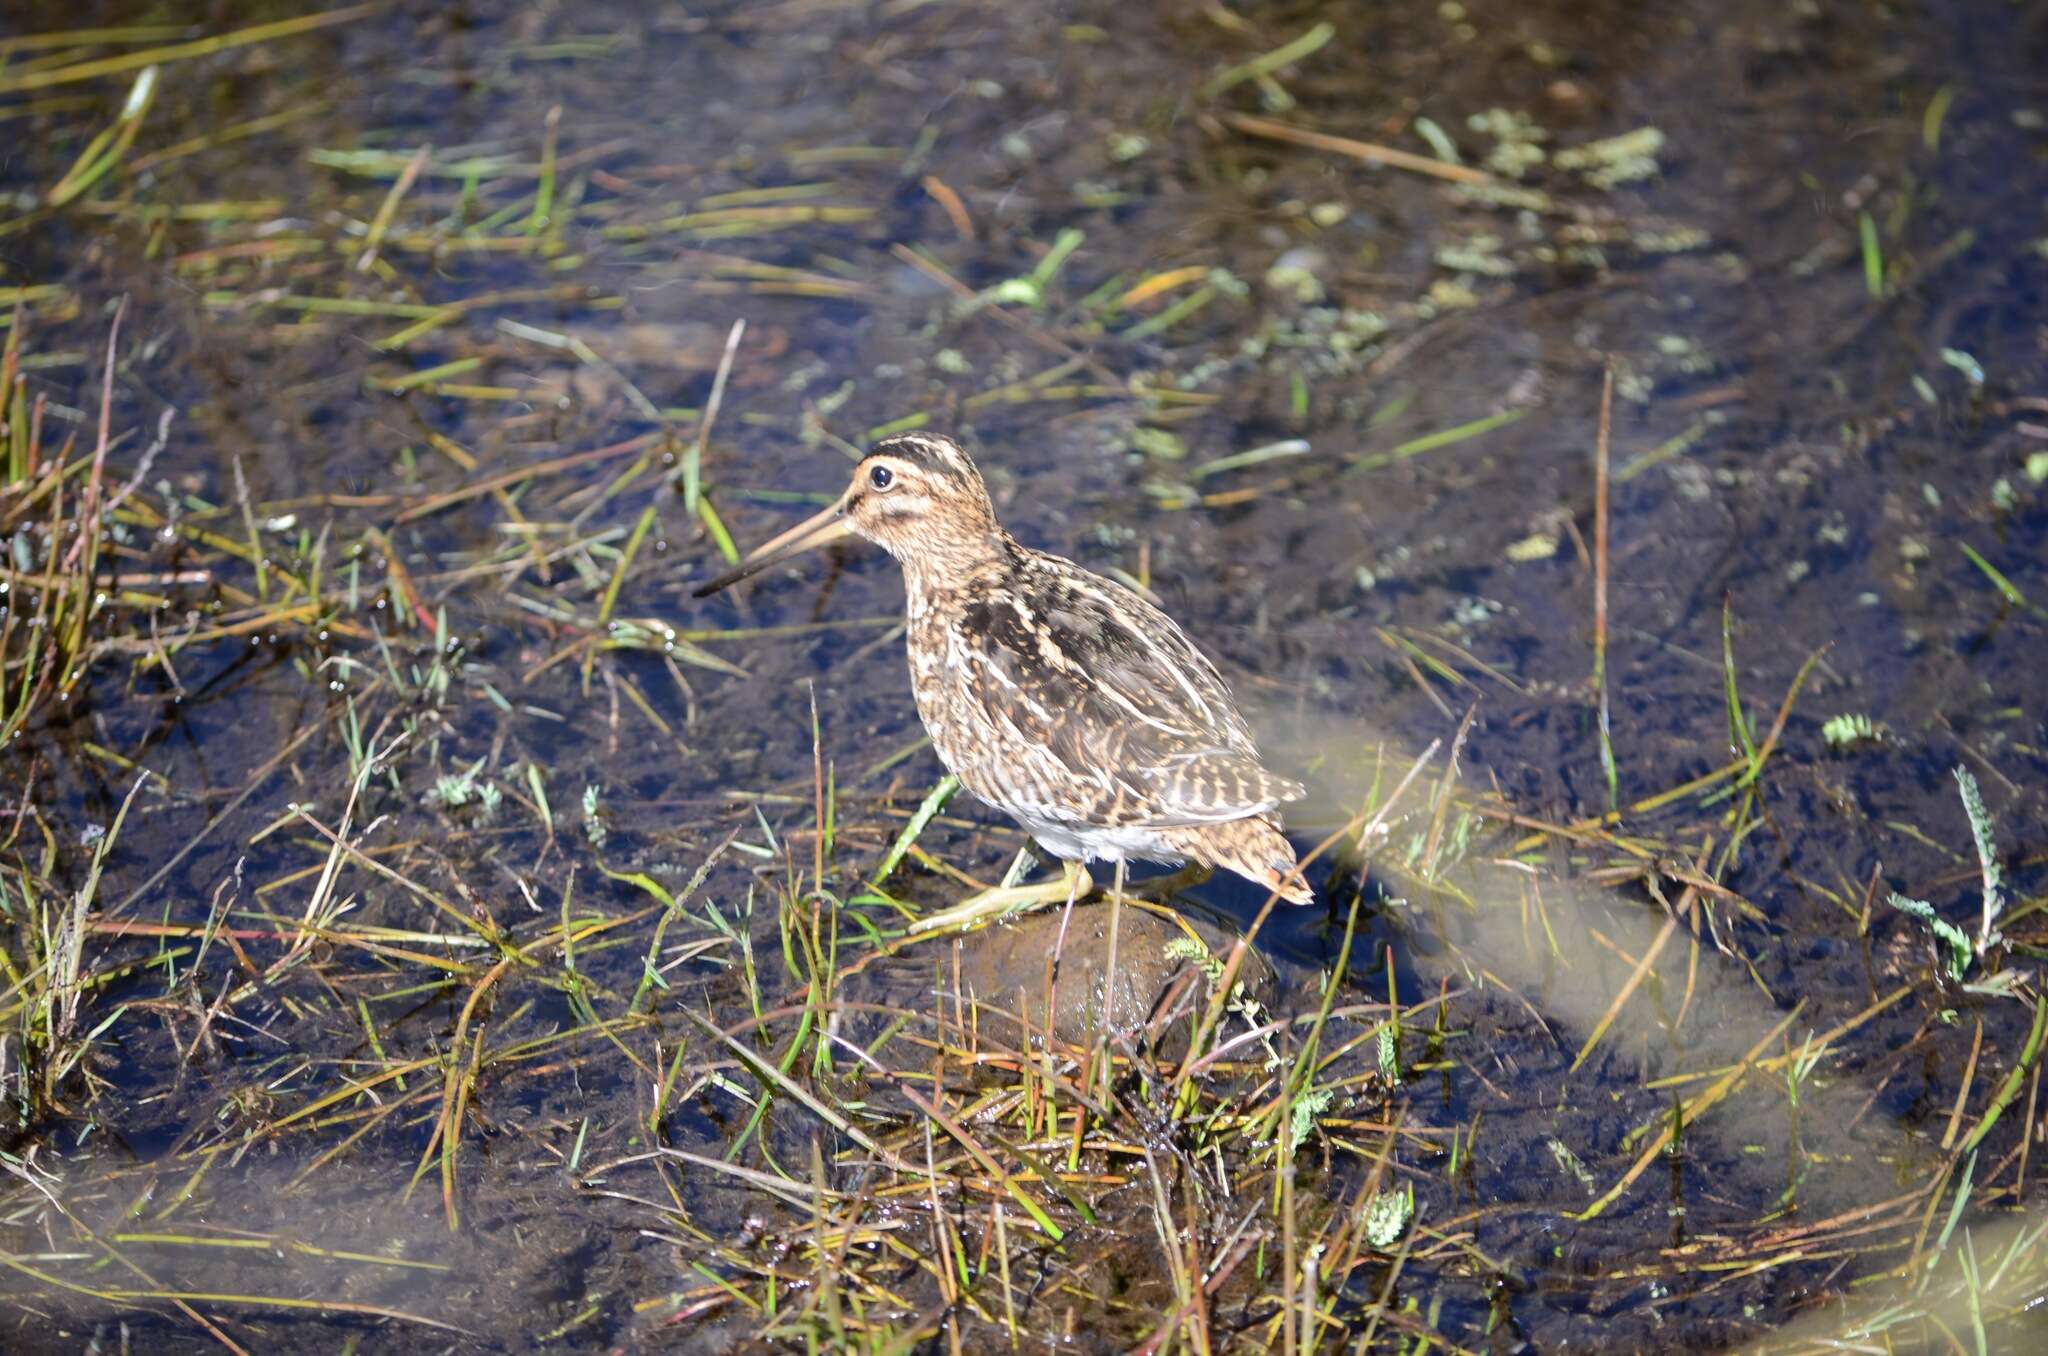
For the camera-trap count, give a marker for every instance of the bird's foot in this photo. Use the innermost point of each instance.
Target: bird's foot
(1074, 883)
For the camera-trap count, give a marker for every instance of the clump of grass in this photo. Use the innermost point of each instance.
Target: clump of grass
(1615, 160)
(1960, 951)
(47, 972)
(1031, 289)
(1849, 729)
(52, 514)
(1387, 1216)
(54, 509)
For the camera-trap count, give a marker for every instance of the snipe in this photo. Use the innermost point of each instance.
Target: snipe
(1057, 696)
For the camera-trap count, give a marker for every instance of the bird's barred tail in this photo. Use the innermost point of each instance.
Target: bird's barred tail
(1258, 851)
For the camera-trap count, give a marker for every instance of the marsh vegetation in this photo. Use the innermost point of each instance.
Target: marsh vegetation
(1606, 447)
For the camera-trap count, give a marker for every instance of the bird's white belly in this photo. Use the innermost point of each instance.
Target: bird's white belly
(1080, 843)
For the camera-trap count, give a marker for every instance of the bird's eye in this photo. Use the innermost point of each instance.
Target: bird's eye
(881, 477)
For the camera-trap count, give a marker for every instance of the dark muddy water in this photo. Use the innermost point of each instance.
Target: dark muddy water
(1338, 417)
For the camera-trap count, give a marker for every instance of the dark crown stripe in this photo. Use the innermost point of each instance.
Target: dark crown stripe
(927, 453)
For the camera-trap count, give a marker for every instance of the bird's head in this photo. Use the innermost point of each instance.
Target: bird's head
(917, 496)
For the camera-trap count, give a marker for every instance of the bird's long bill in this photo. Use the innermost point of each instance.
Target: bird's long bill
(824, 529)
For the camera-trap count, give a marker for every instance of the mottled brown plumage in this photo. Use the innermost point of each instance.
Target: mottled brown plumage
(1056, 695)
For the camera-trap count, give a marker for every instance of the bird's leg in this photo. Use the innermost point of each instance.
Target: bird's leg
(1074, 876)
(1073, 884)
(1107, 1017)
(1078, 884)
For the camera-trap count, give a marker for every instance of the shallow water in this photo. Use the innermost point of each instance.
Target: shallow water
(1792, 439)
